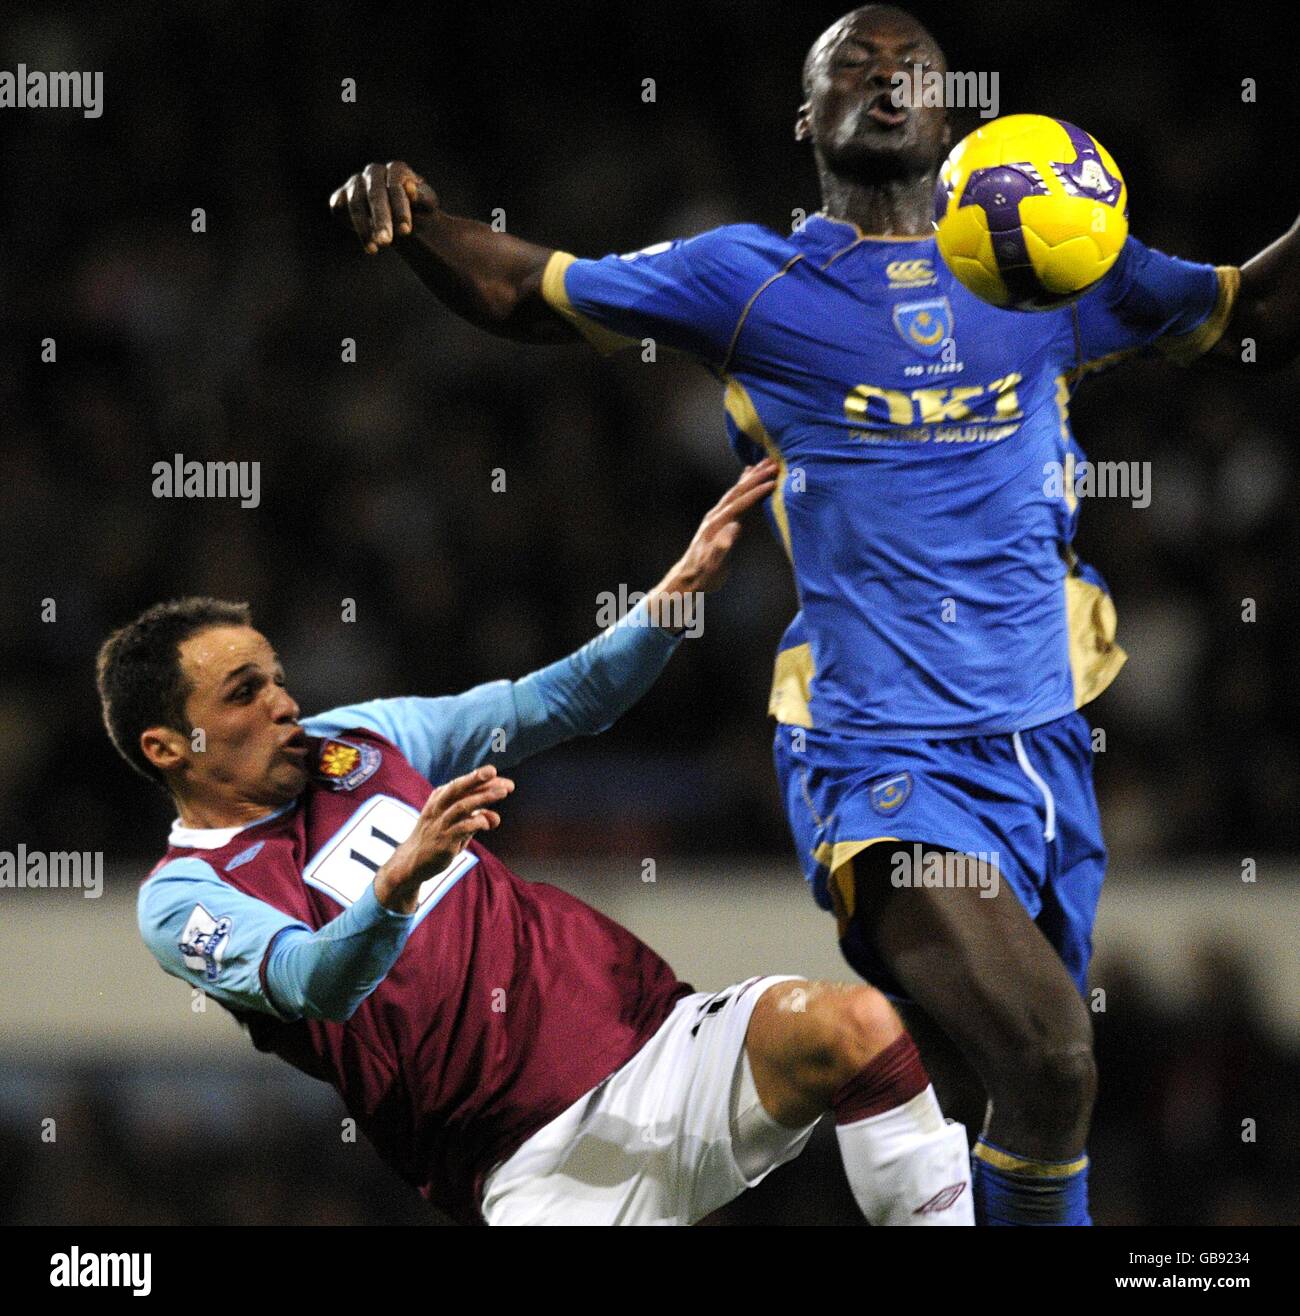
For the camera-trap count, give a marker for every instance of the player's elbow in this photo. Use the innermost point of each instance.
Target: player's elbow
(330, 1007)
(330, 1013)
(507, 294)
(499, 300)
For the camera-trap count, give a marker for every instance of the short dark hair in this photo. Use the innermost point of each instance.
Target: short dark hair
(885, 10)
(138, 671)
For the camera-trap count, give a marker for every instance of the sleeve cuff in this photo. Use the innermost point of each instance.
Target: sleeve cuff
(556, 295)
(638, 618)
(369, 912)
(1185, 348)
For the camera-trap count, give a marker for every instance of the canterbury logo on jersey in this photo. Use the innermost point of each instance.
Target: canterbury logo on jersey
(910, 273)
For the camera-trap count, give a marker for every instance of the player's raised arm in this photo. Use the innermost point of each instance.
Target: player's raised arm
(1267, 308)
(505, 722)
(689, 295)
(491, 279)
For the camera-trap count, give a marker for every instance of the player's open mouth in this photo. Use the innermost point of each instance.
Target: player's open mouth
(882, 110)
(298, 743)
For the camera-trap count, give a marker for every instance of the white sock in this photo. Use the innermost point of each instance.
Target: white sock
(908, 1165)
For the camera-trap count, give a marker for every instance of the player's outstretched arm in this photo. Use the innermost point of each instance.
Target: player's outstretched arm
(1267, 308)
(491, 279)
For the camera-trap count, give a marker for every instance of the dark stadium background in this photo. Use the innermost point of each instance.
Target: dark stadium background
(375, 483)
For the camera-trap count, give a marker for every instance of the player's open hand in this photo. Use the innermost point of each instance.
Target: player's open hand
(383, 201)
(703, 567)
(450, 817)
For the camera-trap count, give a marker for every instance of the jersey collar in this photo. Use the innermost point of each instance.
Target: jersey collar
(871, 237)
(213, 838)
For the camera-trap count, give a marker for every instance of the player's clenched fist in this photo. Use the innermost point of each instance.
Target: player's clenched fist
(450, 817)
(383, 200)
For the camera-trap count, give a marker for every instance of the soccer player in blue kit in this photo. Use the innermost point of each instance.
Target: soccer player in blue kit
(934, 764)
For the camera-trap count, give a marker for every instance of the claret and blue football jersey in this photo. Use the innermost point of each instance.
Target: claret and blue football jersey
(926, 497)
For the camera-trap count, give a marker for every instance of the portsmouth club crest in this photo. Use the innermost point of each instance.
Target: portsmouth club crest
(343, 766)
(889, 794)
(924, 326)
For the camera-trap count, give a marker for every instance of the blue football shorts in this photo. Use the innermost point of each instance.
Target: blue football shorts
(1025, 800)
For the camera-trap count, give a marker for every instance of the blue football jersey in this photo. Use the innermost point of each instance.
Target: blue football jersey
(927, 493)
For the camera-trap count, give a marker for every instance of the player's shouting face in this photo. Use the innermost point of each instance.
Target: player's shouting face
(252, 753)
(850, 113)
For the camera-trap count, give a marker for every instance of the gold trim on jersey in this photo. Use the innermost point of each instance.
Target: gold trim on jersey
(1090, 618)
(556, 295)
(1076, 373)
(1182, 349)
(791, 692)
(1095, 658)
(744, 415)
(792, 678)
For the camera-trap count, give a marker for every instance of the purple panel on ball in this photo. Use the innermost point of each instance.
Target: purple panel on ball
(1087, 175)
(998, 191)
(942, 193)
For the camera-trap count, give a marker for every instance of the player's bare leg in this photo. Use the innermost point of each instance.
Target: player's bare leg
(959, 1088)
(819, 1046)
(981, 970)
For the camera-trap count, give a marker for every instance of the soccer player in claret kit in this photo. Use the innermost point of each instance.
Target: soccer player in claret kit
(927, 692)
(510, 1052)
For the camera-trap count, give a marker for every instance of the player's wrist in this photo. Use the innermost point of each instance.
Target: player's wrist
(424, 223)
(664, 605)
(396, 886)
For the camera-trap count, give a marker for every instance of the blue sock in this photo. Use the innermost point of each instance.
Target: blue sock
(1015, 1190)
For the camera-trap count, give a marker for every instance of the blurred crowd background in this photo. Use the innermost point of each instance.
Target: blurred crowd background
(376, 476)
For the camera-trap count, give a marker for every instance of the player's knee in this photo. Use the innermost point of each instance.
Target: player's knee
(870, 1020)
(1069, 1073)
(852, 1026)
(1056, 1084)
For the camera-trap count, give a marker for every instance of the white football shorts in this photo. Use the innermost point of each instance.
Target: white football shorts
(674, 1134)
